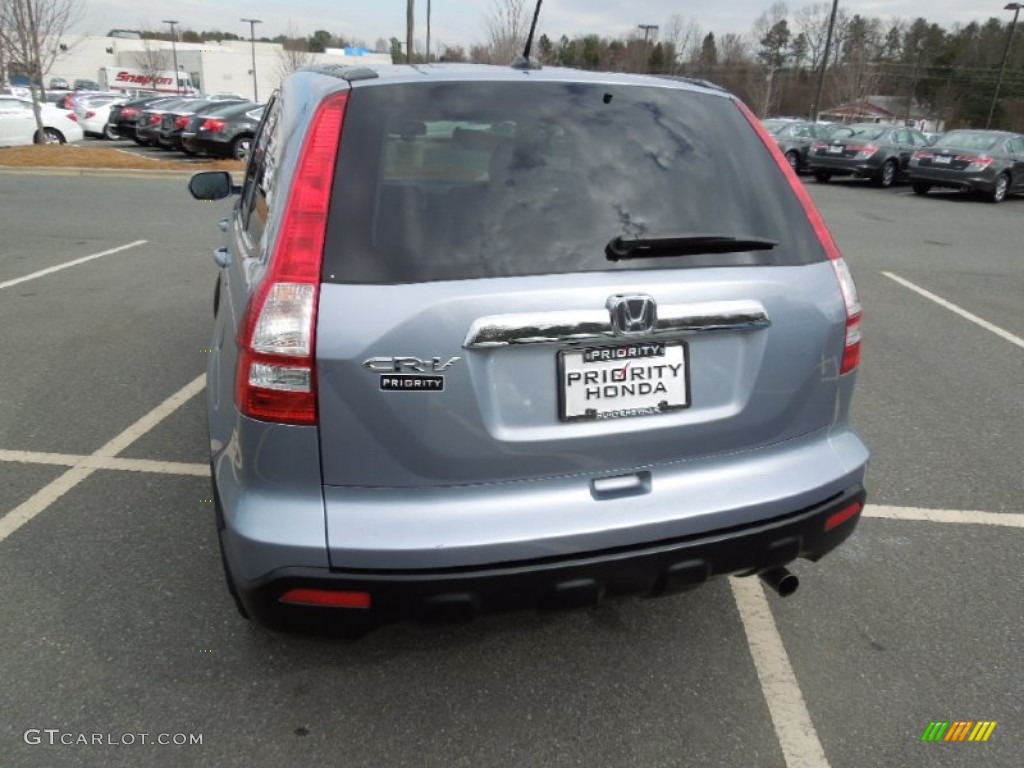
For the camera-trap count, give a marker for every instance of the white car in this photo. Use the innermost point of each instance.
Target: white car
(93, 117)
(18, 123)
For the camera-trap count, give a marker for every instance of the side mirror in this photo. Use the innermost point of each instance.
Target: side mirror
(212, 185)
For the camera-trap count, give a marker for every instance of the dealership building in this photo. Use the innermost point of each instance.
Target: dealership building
(216, 66)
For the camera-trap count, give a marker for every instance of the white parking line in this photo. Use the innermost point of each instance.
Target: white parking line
(1002, 332)
(72, 263)
(957, 516)
(793, 726)
(98, 462)
(51, 492)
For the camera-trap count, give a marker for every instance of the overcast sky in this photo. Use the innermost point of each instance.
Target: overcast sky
(464, 21)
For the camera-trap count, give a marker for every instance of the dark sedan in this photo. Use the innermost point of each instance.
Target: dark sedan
(795, 137)
(123, 117)
(175, 121)
(151, 119)
(871, 150)
(226, 132)
(989, 162)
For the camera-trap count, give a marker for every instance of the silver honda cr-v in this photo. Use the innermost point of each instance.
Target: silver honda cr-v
(495, 337)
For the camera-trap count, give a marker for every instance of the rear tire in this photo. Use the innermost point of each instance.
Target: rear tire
(1002, 186)
(49, 136)
(887, 175)
(241, 147)
(822, 177)
(109, 133)
(794, 161)
(921, 189)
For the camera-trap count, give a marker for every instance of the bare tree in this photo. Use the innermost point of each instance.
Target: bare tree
(294, 54)
(507, 24)
(684, 36)
(152, 61)
(31, 37)
(812, 22)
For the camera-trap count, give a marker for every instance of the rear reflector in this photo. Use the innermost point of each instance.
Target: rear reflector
(842, 516)
(851, 341)
(327, 597)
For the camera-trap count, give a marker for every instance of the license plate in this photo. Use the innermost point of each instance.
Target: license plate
(642, 379)
(943, 160)
(835, 150)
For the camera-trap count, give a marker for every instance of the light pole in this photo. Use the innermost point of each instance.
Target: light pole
(428, 31)
(824, 62)
(410, 15)
(1015, 7)
(174, 52)
(252, 46)
(647, 28)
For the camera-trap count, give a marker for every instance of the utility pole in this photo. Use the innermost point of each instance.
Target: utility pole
(824, 62)
(410, 15)
(647, 28)
(252, 46)
(428, 31)
(1015, 7)
(174, 52)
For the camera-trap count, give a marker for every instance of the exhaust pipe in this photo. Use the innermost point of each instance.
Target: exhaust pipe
(781, 580)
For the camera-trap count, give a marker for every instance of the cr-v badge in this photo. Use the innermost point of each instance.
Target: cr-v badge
(405, 374)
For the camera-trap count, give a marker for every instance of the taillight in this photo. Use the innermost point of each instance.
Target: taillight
(129, 112)
(851, 343)
(922, 154)
(212, 124)
(864, 152)
(976, 163)
(276, 378)
(89, 115)
(72, 117)
(155, 119)
(181, 122)
(818, 145)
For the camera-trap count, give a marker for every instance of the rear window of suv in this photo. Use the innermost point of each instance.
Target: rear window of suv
(447, 181)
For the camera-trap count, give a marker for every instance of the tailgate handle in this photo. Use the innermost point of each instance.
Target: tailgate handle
(620, 486)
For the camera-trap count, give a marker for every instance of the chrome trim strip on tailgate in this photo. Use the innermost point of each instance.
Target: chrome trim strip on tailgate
(579, 326)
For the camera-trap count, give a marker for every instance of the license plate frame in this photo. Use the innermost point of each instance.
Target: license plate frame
(658, 362)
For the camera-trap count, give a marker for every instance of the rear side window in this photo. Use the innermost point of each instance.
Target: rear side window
(261, 177)
(447, 181)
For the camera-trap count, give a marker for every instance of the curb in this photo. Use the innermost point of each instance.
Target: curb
(132, 173)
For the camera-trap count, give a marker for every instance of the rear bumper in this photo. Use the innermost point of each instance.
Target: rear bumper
(840, 167)
(962, 181)
(649, 570)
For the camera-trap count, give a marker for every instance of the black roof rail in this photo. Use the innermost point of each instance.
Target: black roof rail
(345, 72)
(695, 81)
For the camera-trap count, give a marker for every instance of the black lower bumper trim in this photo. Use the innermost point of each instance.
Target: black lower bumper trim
(650, 570)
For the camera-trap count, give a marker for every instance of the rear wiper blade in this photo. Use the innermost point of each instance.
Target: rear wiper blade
(619, 248)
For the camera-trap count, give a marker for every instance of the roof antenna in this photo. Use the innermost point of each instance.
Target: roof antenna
(524, 61)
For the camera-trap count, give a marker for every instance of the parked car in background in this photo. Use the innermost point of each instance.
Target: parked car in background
(224, 131)
(151, 118)
(87, 85)
(795, 137)
(123, 117)
(486, 340)
(869, 150)
(18, 123)
(94, 117)
(59, 84)
(175, 121)
(989, 162)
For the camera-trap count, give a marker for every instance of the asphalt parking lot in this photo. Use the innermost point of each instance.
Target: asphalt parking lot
(114, 621)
